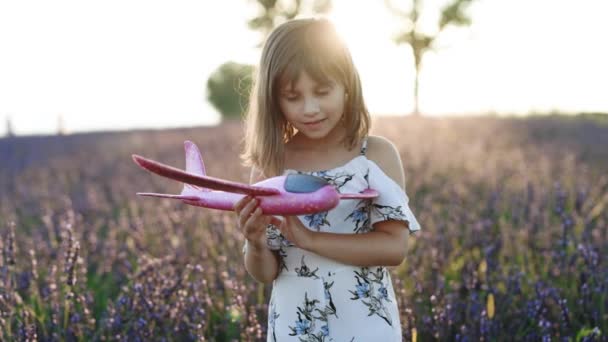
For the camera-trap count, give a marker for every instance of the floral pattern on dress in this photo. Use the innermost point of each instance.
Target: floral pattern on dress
(282, 256)
(274, 238)
(338, 180)
(388, 213)
(330, 307)
(277, 242)
(304, 271)
(371, 290)
(323, 300)
(360, 217)
(312, 325)
(318, 220)
(272, 318)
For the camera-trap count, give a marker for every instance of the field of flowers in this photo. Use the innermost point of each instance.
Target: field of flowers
(514, 243)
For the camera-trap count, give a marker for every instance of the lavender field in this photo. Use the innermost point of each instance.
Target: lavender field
(514, 243)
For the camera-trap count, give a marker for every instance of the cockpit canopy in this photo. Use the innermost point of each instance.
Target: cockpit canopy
(302, 183)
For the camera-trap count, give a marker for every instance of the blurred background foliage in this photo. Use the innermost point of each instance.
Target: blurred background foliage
(513, 246)
(228, 89)
(229, 86)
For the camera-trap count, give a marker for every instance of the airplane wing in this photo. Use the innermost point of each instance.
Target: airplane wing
(181, 197)
(199, 180)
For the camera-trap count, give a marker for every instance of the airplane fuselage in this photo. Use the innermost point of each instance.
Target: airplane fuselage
(284, 203)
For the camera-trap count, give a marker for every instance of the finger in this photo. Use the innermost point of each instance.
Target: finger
(284, 230)
(264, 220)
(238, 206)
(250, 207)
(275, 220)
(293, 220)
(268, 219)
(250, 224)
(282, 223)
(246, 211)
(287, 220)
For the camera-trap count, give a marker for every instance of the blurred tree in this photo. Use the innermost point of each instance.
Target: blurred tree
(275, 12)
(451, 14)
(9, 127)
(60, 125)
(228, 88)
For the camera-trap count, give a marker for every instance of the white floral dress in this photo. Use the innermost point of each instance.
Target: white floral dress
(318, 299)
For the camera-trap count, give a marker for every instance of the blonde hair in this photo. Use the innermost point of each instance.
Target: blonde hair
(310, 45)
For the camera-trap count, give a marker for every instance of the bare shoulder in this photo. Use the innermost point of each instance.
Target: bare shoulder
(386, 155)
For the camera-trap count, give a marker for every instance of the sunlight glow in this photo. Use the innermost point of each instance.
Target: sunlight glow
(150, 66)
(516, 57)
(384, 69)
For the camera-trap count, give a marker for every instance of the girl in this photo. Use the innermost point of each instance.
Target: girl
(307, 115)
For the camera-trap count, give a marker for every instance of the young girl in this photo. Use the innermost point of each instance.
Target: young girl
(307, 115)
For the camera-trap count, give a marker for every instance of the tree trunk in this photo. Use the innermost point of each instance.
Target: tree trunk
(416, 111)
(417, 58)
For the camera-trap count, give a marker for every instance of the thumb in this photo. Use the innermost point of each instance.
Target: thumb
(276, 221)
(293, 220)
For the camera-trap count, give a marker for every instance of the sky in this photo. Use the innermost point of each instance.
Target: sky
(105, 65)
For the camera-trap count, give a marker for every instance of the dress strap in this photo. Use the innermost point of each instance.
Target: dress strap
(364, 146)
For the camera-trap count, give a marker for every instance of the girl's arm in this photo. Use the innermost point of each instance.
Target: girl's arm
(260, 262)
(386, 245)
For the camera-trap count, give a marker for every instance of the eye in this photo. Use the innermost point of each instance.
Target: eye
(290, 96)
(323, 90)
(300, 183)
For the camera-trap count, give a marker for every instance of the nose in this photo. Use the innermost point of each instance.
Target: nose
(311, 105)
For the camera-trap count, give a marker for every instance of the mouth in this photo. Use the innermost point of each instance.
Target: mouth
(314, 122)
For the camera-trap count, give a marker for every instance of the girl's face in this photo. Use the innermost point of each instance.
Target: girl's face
(314, 109)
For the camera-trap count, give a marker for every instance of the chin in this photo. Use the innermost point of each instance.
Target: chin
(314, 136)
(317, 134)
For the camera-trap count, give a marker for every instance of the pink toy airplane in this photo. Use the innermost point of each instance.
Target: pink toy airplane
(294, 194)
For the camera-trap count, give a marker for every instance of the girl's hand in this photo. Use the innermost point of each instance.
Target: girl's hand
(294, 231)
(251, 222)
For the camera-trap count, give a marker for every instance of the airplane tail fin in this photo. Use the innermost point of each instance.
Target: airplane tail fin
(195, 165)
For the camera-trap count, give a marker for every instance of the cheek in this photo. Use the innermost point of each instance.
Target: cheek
(286, 108)
(289, 112)
(335, 104)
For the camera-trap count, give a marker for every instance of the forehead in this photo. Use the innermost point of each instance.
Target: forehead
(305, 80)
(318, 68)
